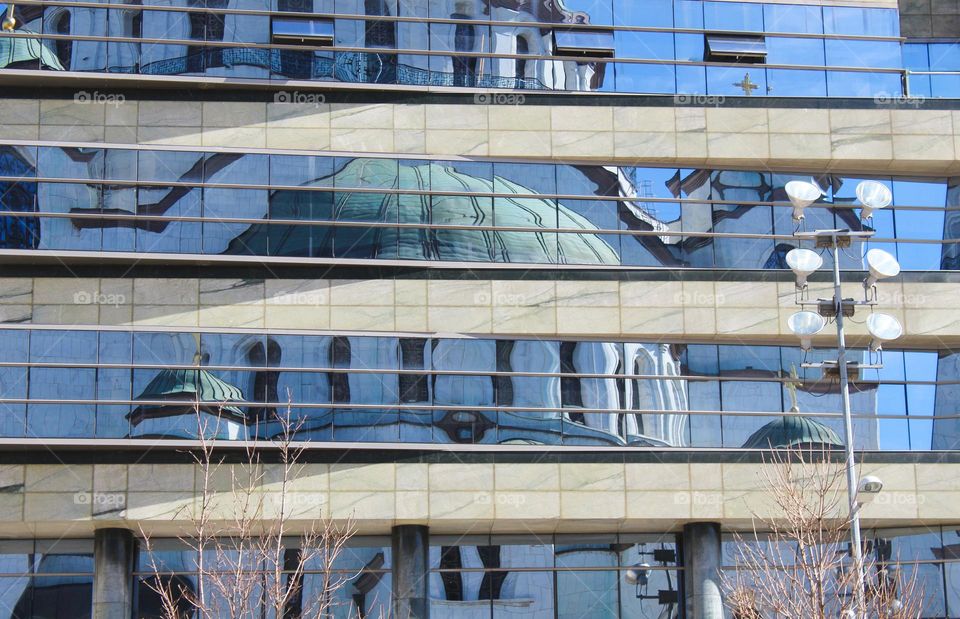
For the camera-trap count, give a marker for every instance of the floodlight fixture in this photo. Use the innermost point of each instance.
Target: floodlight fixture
(805, 325)
(881, 265)
(868, 488)
(873, 196)
(883, 328)
(802, 194)
(803, 262)
(639, 574)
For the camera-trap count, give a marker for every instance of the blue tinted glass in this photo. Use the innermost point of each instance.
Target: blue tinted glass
(733, 16)
(916, 224)
(846, 53)
(857, 84)
(793, 83)
(646, 78)
(943, 56)
(689, 46)
(784, 50)
(792, 18)
(688, 14)
(916, 56)
(651, 13)
(646, 45)
(847, 20)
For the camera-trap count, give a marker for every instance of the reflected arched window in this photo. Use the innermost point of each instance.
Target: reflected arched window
(340, 381)
(381, 68)
(413, 387)
(571, 394)
(464, 40)
(64, 47)
(522, 48)
(205, 26)
(264, 381)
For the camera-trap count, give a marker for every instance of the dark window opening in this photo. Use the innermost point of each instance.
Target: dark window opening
(504, 384)
(522, 48)
(64, 47)
(570, 390)
(264, 381)
(492, 583)
(452, 581)
(413, 387)
(340, 381)
(464, 40)
(741, 49)
(583, 43)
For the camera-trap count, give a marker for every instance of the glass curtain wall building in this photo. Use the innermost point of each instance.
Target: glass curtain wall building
(517, 270)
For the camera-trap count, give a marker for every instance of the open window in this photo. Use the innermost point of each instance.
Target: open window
(586, 43)
(303, 31)
(741, 49)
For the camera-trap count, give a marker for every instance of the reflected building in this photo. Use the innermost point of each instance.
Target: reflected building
(514, 270)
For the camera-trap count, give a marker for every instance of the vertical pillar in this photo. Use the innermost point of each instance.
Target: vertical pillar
(701, 571)
(113, 556)
(411, 598)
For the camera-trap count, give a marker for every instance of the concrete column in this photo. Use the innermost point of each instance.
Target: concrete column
(411, 597)
(113, 555)
(701, 571)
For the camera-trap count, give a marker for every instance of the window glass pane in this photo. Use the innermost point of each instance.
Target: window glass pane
(861, 21)
(792, 18)
(651, 13)
(733, 16)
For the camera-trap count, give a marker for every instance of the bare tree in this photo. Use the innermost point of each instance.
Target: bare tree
(250, 559)
(796, 562)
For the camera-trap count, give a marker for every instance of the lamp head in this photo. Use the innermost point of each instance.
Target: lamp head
(881, 265)
(883, 328)
(9, 22)
(639, 574)
(805, 325)
(802, 194)
(868, 488)
(873, 195)
(803, 262)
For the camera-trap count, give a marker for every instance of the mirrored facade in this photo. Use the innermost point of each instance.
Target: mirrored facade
(665, 46)
(474, 576)
(291, 206)
(350, 388)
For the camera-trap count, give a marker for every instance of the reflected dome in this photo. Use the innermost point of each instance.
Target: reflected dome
(25, 53)
(793, 431)
(526, 210)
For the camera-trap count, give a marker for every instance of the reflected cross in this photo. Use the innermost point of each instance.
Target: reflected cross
(747, 86)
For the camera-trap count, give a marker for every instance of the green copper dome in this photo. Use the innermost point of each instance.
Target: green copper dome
(17, 50)
(793, 431)
(185, 389)
(524, 211)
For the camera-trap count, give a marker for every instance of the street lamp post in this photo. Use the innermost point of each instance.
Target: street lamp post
(872, 196)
